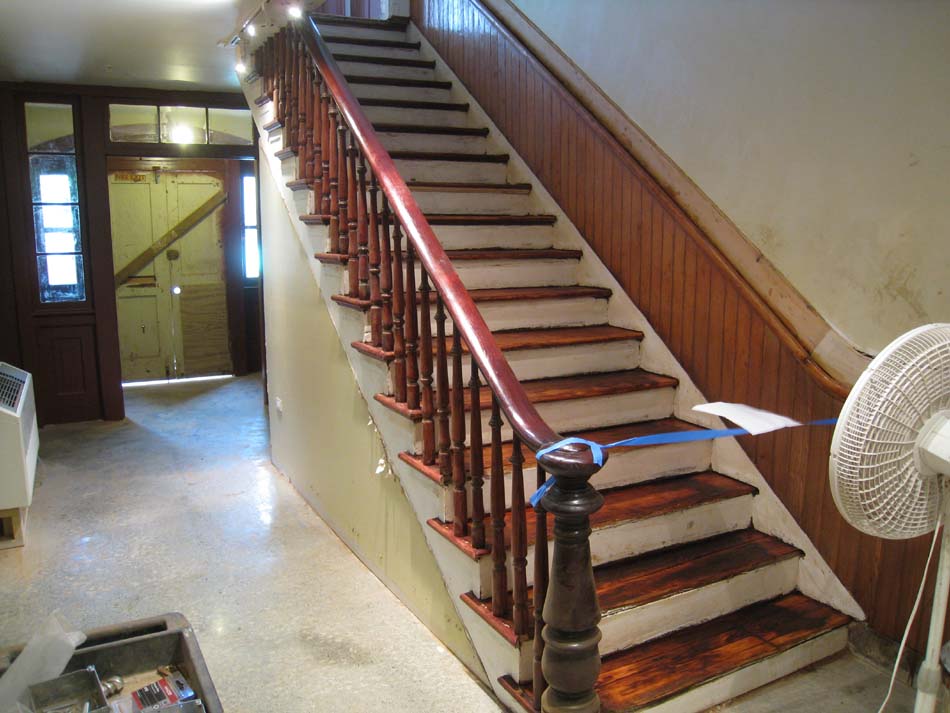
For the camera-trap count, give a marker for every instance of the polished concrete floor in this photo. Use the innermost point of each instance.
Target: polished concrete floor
(179, 509)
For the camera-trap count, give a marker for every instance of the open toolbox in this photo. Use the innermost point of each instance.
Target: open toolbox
(135, 651)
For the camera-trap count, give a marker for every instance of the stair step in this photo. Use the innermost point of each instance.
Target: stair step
(462, 187)
(627, 504)
(501, 294)
(398, 82)
(468, 255)
(384, 61)
(649, 578)
(397, 24)
(392, 128)
(370, 42)
(414, 104)
(488, 219)
(285, 153)
(272, 126)
(692, 660)
(447, 156)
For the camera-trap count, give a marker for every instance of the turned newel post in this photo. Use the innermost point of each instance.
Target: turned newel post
(571, 659)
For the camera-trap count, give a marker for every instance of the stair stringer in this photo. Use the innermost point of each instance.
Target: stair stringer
(816, 579)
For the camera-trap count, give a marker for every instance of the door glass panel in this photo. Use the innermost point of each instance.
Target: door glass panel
(49, 127)
(53, 178)
(249, 192)
(252, 257)
(61, 278)
(133, 122)
(183, 125)
(230, 126)
(57, 228)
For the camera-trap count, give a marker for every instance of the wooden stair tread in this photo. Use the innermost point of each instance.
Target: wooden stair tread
(414, 104)
(397, 81)
(272, 125)
(471, 219)
(393, 128)
(370, 42)
(462, 187)
(449, 156)
(500, 294)
(660, 669)
(657, 575)
(285, 153)
(609, 434)
(393, 23)
(639, 501)
(387, 61)
(489, 254)
(262, 99)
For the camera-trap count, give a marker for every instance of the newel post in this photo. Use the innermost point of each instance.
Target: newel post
(571, 659)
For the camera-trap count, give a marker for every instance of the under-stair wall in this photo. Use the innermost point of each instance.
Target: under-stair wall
(724, 335)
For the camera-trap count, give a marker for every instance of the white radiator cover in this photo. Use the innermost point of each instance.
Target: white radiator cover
(19, 437)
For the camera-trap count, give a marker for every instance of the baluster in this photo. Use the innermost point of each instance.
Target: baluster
(540, 591)
(303, 103)
(386, 280)
(271, 75)
(290, 125)
(327, 131)
(519, 541)
(375, 293)
(499, 580)
(316, 129)
(399, 316)
(353, 262)
(476, 468)
(442, 392)
(362, 229)
(425, 377)
(283, 71)
(333, 179)
(412, 330)
(279, 72)
(459, 496)
(570, 661)
(343, 185)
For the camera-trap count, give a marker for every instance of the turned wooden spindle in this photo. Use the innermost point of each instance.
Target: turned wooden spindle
(519, 541)
(386, 278)
(499, 579)
(352, 222)
(457, 449)
(442, 392)
(342, 186)
(362, 228)
(316, 133)
(399, 318)
(280, 98)
(477, 467)
(333, 202)
(327, 169)
(571, 660)
(427, 404)
(412, 330)
(540, 591)
(375, 291)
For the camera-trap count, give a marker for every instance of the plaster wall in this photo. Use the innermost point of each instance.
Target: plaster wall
(322, 439)
(819, 128)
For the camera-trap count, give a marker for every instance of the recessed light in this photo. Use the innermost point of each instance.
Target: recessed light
(295, 12)
(240, 68)
(251, 30)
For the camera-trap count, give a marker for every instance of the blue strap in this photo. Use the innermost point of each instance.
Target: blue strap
(655, 439)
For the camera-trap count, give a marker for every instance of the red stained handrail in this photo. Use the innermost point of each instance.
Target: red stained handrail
(514, 402)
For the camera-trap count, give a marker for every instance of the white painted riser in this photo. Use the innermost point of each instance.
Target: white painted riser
(433, 142)
(475, 203)
(622, 468)
(535, 314)
(463, 171)
(474, 237)
(370, 51)
(384, 91)
(368, 33)
(425, 117)
(626, 539)
(385, 70)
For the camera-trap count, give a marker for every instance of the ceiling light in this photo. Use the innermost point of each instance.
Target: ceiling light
(251, 30)
(240, 68)
(181, 134)
(295, 12)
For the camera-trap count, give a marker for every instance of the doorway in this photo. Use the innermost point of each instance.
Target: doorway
(179, 234)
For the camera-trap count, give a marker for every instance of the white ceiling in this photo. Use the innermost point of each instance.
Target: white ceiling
(162, 44)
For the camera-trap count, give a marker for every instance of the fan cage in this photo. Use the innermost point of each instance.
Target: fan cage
(874, 475)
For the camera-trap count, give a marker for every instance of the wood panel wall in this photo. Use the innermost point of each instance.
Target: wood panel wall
(716, 326)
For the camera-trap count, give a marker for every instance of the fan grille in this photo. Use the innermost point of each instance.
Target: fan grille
(874, 475)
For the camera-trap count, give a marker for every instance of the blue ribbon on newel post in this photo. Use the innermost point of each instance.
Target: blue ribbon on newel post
(753, 421)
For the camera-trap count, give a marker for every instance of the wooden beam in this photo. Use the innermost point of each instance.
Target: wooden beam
(184, 226)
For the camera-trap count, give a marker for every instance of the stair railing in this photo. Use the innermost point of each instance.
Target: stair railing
(398, 271)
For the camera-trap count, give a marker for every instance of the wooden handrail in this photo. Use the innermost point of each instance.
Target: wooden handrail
(514, 402)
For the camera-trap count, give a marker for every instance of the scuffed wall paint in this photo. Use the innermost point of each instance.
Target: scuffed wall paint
(322, 439)
(819, 128)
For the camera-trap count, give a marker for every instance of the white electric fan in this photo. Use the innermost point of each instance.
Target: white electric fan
(890, 462)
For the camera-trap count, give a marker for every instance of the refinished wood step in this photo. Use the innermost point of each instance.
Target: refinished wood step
(393, 23)
(398, 82)
(370, 42)
(627, 504)
(501, 294)
(470, 187)
(285, 153)
(394, 128)
(272, 126)
(447, 156)
(661, 670)
(385, 61)
(466, 255)
(489, 219)
(651, 577)
(414, 104)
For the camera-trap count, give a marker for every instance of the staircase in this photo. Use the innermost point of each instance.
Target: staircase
(697, 604)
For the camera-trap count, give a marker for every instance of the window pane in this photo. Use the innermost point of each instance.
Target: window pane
(249, 191)
(230, 126)
(252, 256)
(133, 122)
(53, 179)
(183, 125)
(61, 278)
(49, 127)
(57, 228)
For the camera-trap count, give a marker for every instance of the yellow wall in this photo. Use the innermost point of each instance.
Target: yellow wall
(322, 442)
(819, 127)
